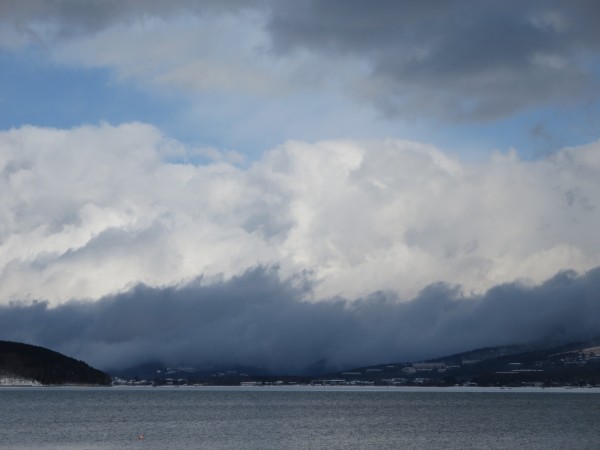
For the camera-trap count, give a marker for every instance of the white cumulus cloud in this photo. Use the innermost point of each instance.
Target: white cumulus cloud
(94, 210)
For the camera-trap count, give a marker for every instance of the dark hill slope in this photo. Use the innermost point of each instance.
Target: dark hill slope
(46, 366)
(576, 363)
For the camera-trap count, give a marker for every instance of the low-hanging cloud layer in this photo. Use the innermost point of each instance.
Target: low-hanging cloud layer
(257, 319)
(93, 211)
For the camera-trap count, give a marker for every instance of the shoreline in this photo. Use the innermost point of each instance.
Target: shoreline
(308, 388)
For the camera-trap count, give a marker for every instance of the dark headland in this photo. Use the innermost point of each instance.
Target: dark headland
(47, 367)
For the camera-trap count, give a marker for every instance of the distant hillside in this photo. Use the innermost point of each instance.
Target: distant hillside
(46, 366)
(540, 363)
(576, 363)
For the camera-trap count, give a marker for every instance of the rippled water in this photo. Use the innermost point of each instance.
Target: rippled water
(300, 418)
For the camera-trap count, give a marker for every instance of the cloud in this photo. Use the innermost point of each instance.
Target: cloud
(68, 18)
(96, 210)
(458, 61)
(258, 319)
(89, 213)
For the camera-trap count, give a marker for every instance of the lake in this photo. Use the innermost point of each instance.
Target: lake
(297, 418)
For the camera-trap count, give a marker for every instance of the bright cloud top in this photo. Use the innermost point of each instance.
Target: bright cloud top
(96, 210)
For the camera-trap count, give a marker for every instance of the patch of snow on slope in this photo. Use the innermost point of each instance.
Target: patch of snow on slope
(11, 380)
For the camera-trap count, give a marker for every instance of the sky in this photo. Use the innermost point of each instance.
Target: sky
(283, 183)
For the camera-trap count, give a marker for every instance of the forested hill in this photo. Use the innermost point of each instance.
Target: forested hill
(46, 366)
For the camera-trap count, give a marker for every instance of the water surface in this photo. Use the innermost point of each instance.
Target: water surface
(300, 418)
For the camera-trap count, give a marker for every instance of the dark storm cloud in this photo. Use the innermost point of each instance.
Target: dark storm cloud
(257, 319)
(460, 60)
